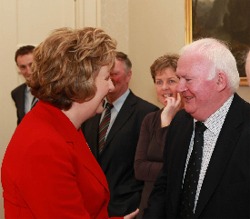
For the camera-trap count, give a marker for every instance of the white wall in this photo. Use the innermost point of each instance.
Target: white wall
(114, 18)
(156, 27)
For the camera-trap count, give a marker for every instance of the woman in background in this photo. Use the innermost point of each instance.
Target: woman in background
(149, 152)
(48, 170)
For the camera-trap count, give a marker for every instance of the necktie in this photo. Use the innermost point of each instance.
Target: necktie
(192, 173)
(33, 103)
(104, 126)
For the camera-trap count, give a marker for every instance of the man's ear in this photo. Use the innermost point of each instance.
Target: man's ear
(222, 81)
(129, 75)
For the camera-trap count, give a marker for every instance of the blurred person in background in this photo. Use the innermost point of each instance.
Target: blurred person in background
(21, 95)
(149, 151)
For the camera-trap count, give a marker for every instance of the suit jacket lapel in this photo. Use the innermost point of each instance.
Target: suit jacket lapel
(22, 98)
(122, 117)
(19, 97)
(225, 145)
(180, 149)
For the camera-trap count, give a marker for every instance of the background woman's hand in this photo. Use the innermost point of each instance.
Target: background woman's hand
(132, 215)
(169, 111)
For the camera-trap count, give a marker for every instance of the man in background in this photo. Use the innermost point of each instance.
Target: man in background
(247, 67)
(21, 95)
(116, 155)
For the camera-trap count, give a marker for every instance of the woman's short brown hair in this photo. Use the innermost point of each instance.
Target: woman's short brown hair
(66, 63)
(165, 61)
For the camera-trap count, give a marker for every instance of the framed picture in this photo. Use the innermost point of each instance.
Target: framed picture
(227, 20)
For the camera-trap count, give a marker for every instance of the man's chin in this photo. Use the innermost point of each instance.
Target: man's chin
(188, 109)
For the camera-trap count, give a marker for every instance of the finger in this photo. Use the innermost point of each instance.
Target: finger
(178, 98)
(132, 215)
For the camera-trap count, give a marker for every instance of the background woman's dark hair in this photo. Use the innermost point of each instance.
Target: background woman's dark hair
(165, 61)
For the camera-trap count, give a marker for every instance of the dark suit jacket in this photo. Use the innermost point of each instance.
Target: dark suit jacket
(117, 158)
(50, 173)
(18, 95)
(225, 192)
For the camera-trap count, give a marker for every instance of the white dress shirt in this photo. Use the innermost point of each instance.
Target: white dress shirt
(214, 125)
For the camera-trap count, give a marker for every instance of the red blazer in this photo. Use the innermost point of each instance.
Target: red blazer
(49, 171)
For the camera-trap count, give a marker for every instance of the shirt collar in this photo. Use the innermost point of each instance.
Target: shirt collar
(119, 102)
(215, 121)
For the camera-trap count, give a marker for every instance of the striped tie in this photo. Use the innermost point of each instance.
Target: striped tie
(104, 126)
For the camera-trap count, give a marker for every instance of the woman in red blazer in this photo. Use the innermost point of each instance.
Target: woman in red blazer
(48, 170)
